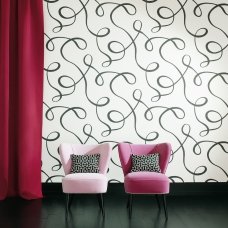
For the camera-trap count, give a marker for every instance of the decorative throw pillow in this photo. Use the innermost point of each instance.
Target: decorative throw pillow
(85, 163)
(149, 163)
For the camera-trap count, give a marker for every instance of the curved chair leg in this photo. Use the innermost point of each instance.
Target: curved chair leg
(101, 203)
(130, 205)
(165, 206)
(158, 202)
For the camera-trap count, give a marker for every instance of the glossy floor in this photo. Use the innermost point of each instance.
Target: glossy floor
(49, 212)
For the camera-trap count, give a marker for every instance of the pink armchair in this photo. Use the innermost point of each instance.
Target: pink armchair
(91, 183)
(144, 182)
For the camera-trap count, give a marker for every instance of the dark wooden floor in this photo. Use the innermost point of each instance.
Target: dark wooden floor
(49, 212)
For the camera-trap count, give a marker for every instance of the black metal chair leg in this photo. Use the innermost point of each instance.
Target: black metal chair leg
(128, 200)
(158, 202)
(130, 205)
(67, 205)
(165, 206)
(71, 196)
(101, 203)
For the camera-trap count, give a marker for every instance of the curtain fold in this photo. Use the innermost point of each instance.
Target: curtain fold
(21, 97)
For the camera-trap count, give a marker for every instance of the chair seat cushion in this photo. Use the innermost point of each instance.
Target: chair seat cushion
(146, 183)
(85, 183)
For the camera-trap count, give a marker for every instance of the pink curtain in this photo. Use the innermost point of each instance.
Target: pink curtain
(21, 97)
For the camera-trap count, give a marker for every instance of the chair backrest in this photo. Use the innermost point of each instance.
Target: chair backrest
(126, 149)
(66, 149)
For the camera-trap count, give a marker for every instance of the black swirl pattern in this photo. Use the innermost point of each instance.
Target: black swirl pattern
(144, 71)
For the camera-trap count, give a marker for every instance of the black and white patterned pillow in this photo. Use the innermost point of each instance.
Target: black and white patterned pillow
(85, 163)
(149, 163)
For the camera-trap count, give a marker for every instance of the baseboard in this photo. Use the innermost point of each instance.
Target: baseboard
(200, 188)
(51, 188)
(220, 188)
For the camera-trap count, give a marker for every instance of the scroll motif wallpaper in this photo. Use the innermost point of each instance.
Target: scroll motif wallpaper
(139, 71)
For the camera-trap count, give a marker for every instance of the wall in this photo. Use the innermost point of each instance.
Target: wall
(142, 72)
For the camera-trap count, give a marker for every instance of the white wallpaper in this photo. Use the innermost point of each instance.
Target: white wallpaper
(141, 72)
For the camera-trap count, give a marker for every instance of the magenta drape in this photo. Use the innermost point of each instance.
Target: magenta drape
(21, 97)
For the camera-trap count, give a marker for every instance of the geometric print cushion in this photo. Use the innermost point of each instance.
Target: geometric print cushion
(85, 163)
(149, 163)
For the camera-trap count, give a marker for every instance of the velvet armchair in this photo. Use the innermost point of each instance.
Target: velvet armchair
(145, 182)
(87, 182)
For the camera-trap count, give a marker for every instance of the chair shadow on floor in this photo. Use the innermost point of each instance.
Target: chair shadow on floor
(73, 222)
(158, 222)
